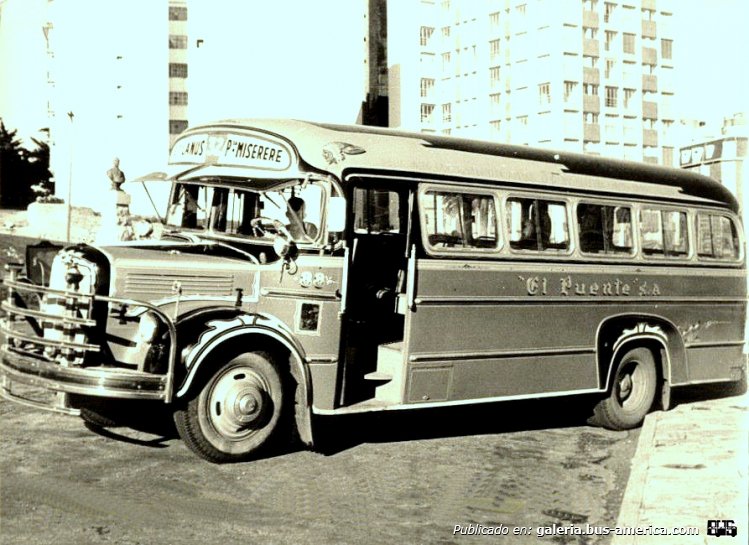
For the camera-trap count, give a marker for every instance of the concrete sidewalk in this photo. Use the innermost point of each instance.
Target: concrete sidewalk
(690, 467)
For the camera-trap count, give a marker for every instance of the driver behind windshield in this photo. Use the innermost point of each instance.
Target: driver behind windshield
(297, 227)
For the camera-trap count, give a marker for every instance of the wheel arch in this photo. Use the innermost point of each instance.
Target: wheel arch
(656, 332)
(251, 332)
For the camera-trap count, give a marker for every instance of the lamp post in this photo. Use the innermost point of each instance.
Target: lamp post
(69, 207)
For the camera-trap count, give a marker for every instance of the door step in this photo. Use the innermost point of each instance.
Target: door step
(390, 371)
(378, 376)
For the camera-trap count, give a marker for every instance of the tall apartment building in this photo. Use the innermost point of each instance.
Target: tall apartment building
(178, 68)
(107, 90)
(580, 75)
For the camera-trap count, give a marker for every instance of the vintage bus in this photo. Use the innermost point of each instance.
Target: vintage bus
(310, 269)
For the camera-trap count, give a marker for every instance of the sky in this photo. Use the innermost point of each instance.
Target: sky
(710, 35)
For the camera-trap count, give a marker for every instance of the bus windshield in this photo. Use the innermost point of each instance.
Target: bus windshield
(294, 207)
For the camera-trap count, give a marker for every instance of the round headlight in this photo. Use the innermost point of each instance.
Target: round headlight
(148, 327)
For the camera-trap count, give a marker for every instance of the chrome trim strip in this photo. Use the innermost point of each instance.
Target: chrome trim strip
(567, 299)
(23, 286)
(12, 334)
(714, 344)
(289, 293)
(488, 354)
(45, 316)
(364, 408)
(321, 359)
(6, 393)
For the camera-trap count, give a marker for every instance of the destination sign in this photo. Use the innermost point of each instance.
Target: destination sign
(232, 150)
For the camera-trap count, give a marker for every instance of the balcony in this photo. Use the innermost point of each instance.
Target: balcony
(591, 103)
(591, 47)
(649, 109)
(590, 19)
(648, 29)
(649, 5)
(649, 137)
(591, 75)
(649, 55)
(591, 132)
(649, 83)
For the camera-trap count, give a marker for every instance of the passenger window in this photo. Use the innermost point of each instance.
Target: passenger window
(604, 229)
(459, 220)
(376, 211)
(536, 224)
(664, 232)
(717, 237)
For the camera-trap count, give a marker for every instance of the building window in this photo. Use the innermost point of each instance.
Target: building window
(447, 113)
(445, 31)
(590, 117)
(522, 120)
(610, 37)
(427, 86)
(426, 113)
(177, 41)
(608, 11)
(176, 126)
(590, 62)
(494, 19)
(611, 95)
(178, 98)
(628, 95)
(495, 125)
(590, 89)
(494, 75)
(177, 70)
(590, 33)
(425, 35)
(446, 60)
(494, 99)
(628, 44)
(667, 49)
(177, 13)
(544, 93)
(570, 87)
(609, 67)
(520, 10)
(494, 49)
(590, 5)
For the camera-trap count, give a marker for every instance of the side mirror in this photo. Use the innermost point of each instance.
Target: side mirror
(336, 218)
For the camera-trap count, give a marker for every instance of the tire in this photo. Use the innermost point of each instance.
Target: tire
(97, 412)
(239, 411)
(632, 392)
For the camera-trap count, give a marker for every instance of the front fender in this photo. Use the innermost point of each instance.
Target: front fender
(219, 331)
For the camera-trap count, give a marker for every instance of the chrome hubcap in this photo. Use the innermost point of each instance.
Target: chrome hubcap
(238, 402)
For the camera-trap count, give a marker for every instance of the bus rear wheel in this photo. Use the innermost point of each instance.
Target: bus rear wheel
(632, 392)
(237, 413)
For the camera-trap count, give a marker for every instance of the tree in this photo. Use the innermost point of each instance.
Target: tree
(20, 168)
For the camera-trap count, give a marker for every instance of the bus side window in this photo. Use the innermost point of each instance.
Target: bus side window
(717, 237)
(604, 229)
(535, 224)
(459, 220)
(651, 232)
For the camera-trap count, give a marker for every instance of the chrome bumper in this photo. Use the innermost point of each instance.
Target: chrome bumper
(23, 360)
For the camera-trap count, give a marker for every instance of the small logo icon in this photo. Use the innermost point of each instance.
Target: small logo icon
(719, 528)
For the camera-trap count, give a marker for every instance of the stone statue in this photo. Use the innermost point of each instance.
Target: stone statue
(116, 176)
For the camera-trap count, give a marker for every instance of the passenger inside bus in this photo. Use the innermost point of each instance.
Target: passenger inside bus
(297, 227)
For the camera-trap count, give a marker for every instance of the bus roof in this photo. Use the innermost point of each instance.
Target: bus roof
(348, 149)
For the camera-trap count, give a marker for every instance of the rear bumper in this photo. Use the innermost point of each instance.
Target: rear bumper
(109, 382)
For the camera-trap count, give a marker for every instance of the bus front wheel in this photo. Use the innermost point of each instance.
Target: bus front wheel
(238, 411)
(632, 392)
